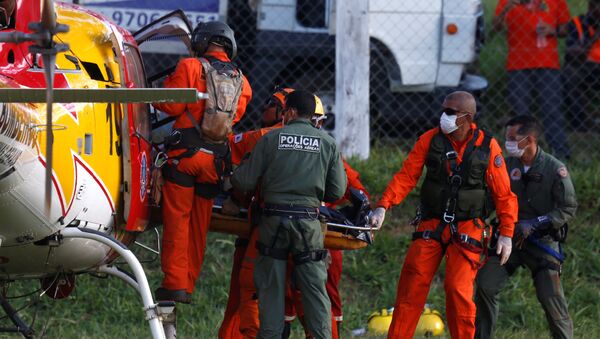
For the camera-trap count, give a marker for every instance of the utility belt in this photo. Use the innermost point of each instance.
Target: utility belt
(461, 239)
(190, 140)
(290, 211)
(282, 254)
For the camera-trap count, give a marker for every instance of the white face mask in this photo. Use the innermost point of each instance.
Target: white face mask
(512, 148)
(448, 123)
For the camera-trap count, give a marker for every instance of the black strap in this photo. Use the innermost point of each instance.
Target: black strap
(435, 235)
(275, 253)
(292, 212)
(545, 264)
(171, 173)
(207, 190)
(456, 175)
(314, 255)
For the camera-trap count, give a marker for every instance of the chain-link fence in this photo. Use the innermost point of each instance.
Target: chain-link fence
(532, 60)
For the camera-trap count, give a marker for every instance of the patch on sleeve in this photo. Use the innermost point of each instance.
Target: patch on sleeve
(515, 174)
(295, 142)
(238, 137)
(498, 161)
(562, 172)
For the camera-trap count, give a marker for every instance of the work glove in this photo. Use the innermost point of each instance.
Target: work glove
(525, 228)
(376, 219)
(503, 248)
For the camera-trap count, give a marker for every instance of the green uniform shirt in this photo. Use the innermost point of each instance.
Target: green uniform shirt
(546, 188)
(296, 165)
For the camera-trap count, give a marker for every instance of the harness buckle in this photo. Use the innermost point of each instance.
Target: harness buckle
(160, 160)
(174, 138)
(426, 235)
(448, 218)
(456, 180)
(452, 155)
(464, 238)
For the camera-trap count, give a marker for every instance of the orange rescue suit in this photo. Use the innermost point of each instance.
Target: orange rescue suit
(424, 256)
(594, 52)
(186, 216)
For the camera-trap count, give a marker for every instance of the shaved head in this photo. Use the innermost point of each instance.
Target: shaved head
(461, 101)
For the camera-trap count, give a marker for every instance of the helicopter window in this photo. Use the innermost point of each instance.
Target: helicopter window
(135, 70)
(93, 70)
(87, 147)
(7, 8)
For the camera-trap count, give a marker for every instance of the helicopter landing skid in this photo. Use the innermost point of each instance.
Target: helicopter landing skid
(152, 310)
(20, 326)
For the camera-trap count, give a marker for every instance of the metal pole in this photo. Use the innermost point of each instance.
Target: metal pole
(150, 308)
(115, 271)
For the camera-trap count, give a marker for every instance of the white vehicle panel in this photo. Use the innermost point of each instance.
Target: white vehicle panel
(415, 50)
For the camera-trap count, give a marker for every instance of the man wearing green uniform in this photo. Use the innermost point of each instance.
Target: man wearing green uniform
(297, 167)
(546, 203)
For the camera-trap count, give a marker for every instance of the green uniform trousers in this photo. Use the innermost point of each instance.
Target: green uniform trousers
(296, 236)
(492, 277)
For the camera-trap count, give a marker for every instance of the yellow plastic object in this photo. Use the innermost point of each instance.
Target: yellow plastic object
(430, 323)
(319, 110)
(379, 322)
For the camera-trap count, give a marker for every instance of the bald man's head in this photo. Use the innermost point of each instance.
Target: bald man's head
(461, 101)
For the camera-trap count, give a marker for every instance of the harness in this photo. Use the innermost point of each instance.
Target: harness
(290, 212)
(191, 141)
(455, 180)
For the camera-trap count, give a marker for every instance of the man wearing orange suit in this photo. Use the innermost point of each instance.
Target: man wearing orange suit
(463, 163)
(195, 167)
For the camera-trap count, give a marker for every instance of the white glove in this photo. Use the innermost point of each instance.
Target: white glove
(503, 248)
(376, 219)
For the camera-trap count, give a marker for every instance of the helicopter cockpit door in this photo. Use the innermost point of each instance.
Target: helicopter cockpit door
(171, 27)
(135, 141)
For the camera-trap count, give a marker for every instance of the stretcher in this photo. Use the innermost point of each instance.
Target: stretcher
(340, 233)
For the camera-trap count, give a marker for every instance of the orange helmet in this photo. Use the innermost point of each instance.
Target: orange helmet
(276, 101)
(278, 97)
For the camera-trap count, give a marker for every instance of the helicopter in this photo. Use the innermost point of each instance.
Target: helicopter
(75, 149)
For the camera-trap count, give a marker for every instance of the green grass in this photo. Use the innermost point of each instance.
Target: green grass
(108, 308)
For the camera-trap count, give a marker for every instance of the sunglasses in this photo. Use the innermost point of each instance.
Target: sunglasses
(451, 111)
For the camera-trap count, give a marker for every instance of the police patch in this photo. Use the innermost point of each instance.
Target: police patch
(515, 174)
(237, 138)
(562, 172)
(498, 160)
(295, 142)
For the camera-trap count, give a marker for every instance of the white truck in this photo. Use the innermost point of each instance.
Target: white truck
(419, 48)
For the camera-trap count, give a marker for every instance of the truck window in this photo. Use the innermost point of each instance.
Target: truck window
(311, 13)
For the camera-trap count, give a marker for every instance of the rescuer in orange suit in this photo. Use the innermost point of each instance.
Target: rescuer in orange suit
(186, 215)
(242, 294)
(463, 162)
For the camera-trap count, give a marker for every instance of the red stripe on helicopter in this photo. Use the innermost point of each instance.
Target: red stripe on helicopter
(56, 187)
(95, 177)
